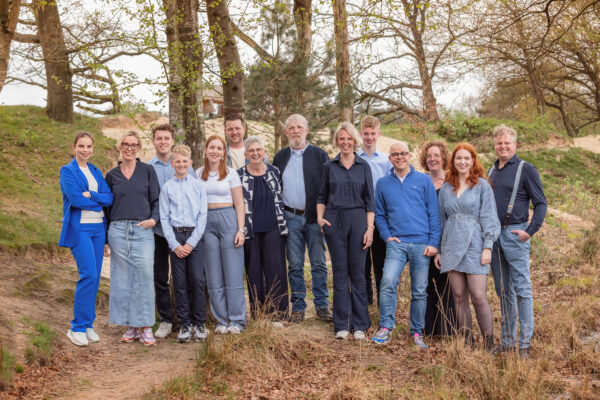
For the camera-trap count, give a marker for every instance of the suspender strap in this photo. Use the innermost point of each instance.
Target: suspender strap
(513, 195)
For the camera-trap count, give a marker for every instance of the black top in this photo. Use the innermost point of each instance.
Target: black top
(263, 207)
(530, 189)
(343, 189)
(313, 162)
(135, 198)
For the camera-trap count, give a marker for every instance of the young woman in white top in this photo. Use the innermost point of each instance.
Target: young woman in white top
(85, 192)
(223, 239)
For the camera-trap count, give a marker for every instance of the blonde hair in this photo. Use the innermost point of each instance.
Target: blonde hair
(504, 130)
(182, 150)
(369, 121)
(350, 129)
(130, 133)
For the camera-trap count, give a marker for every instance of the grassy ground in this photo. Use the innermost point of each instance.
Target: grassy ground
(34, 148)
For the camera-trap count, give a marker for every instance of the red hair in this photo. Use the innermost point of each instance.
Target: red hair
(476, 172)
(222, 164)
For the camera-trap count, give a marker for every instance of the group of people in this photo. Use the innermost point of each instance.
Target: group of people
(239, 212)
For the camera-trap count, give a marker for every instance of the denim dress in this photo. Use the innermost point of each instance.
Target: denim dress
(469, 224)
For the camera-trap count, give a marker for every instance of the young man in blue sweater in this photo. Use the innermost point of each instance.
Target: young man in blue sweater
(408, 219)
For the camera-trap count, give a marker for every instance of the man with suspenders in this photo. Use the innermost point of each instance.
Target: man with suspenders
(516, 183)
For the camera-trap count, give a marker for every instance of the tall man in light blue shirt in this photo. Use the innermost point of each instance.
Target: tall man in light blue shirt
(163, 138)
(380, 166)
(183, 209)
(301, 165)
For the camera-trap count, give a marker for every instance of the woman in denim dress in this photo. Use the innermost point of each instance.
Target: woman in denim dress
(469, 228)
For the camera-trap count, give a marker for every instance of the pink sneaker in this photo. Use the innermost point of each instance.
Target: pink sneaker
(147, 337)
(130, 335)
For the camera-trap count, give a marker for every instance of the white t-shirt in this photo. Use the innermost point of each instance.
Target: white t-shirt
(219, 191)
(238, 160)
(87, 216)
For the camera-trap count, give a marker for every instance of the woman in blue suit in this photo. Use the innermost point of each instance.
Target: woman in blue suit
(85, 192)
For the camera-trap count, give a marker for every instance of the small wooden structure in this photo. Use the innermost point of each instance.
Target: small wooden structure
(212, 102)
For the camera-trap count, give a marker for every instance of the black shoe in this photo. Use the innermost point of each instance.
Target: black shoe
(324, 314)
(489, 344)
(503, 350)
(524, 353)
(469, 341)
(296, 317)
(185, 334)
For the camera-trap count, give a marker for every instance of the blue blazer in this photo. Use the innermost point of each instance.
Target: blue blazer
(72, 184)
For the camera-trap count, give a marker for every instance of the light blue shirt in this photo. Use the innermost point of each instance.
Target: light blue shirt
(379, 162)
(294, 194)
(183, 204)
(164, 172)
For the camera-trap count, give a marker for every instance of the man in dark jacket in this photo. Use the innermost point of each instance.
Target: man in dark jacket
(301, 166)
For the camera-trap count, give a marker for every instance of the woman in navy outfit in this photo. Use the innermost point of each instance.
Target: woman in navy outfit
(346, 213)
(84, 192)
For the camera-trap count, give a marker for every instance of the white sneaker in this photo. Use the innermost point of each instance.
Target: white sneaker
(77, 338)
(277, 325)
(343, 335)
(221, 329)
(234, 330)
(200, 333)
(91, 335)
(359, 335)
(164, 329)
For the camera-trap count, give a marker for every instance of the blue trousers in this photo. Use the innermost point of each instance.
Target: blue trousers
(301, 236)
(224, 266)
(189, 283)
(88, 255)
(344, 239)
(161, 279)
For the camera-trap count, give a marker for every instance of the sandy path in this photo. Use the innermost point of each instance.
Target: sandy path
(591, 143)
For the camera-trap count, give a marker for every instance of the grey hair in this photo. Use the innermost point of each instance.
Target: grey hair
(504, 130)
(398, 142)
(250, 140)
(298, 118)
(352, 131)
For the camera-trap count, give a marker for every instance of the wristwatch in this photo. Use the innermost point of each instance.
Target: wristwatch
(241, 230)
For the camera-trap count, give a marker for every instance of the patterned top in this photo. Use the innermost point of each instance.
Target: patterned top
(273, 181)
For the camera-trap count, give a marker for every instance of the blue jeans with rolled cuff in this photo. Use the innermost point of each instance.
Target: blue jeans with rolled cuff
(396, 257)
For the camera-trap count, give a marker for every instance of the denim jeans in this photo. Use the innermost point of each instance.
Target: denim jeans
(300, 236)
(396, 256)
(131, 301)
(510, 268)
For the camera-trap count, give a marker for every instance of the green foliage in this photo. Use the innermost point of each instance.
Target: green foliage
(570, 179)
(8, 363)
(34, 148)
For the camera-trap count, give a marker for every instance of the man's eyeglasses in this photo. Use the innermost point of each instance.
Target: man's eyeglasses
(402, 154)
(126, 146)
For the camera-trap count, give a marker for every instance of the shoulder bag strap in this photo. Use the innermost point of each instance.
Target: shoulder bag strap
(513, 195)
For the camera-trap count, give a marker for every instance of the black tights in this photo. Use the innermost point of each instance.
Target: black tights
(474, 286)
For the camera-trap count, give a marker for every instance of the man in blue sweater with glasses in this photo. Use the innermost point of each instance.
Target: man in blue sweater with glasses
(408, 219)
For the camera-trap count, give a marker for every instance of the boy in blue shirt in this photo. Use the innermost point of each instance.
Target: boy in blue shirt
(183, 209)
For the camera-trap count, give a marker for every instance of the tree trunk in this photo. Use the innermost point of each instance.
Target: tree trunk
(56, 61)
(417, 29)
(9, 15)
(277, 131)
(185, 72)
(342, 61)
(303, 21)
(232, 74)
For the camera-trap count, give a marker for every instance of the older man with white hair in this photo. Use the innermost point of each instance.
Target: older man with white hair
(408, 219)
(301, 165)
(516, 183)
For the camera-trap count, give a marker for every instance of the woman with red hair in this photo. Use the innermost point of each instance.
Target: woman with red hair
(469, 228)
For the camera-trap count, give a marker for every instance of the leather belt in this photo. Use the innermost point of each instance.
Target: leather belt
(293, 210)
(183, 229)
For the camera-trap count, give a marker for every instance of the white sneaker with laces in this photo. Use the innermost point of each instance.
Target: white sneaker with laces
(77, 338)
(221, 329)
(200, 333)
(164, 329)
(359, 335)
(277, 325)
(234, 330)
(91, 335)
(342, 335)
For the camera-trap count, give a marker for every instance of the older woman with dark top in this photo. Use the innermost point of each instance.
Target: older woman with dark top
(440, 317)
(346, 213)
(264, 248)
(131, 240)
